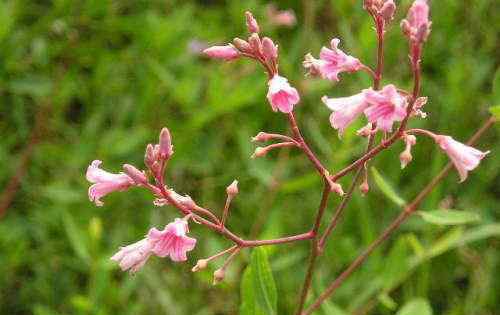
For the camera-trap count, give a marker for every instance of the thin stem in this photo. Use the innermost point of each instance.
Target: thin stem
(206, 212)
(340, 209)
(303, 145)
(412, 207)
(314, 248)
(228, 250)
(276, 241)
(225, 212)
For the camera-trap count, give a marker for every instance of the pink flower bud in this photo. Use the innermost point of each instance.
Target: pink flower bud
(259, 152)
(232, 190)
(200, 265)
(269, 50)
(227, 52)
(252, 25)
(256, 44)
(417, 25)
(219, 275)
(336, 187)
(364, 187)
(262, 137)
(387, 10)
(242, 45)
(150, 156)
(281, 18)
(137, 176)
(405, 158)
(165, 149)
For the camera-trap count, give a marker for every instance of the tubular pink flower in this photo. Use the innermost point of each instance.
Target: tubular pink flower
(172, 241)
(336, 61)
(386, 107)
(281, 95)
(227, 52)
(464, 157)
(105, 182)
(133, 256)
(345, 110)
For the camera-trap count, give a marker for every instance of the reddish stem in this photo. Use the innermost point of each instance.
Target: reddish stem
(410, 209)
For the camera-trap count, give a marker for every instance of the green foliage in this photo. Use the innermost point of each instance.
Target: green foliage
(101, 78)
(449, 217)
(258, 290)
(416, 307)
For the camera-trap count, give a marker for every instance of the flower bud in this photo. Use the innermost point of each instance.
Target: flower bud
(149, 156)
(336, 187)
(242, 45)
(261, 137)
(227, 52)
(405, 157)
(255, 43)
(269, 49)
(259, 152)
(165, 149)
(387, 11)
(186, 201)
(405, 27)
(200, 265)
(232, 190)
(364, 187)
(137, 176)
(219, 275)
(252, 25)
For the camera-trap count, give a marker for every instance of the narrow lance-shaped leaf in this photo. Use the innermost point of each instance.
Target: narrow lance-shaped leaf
(449, 217)
(387, 188)
(416, 306)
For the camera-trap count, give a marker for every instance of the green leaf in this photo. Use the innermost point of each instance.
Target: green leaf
(76, 237)
(449, 217)
(495, 111)
(416, 306)
(387, 188)
(258, 290)
(496, 86)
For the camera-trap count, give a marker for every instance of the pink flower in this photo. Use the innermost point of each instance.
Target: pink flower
(105, 182)
(464, 157)
(345, 110)
(332, 62)
(172, 241)
(133, 256)
(227, 52)
(386, 107)
(417, 25)
(281, 95)
(281, 18)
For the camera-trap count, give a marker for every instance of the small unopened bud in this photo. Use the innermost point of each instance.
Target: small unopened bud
(261, 137)
(149, 156)
(227, 52)
(364, 187)
(336, 187)
(137, 176)
(242, 45)
(387, 11)
(219, 275)
(313, 65)
(269, 49)
(405, 27)
(365, 131)
(165, 149)
(200, 265)
(259, 152)
(252, 25)
(255, 43)
(186, 201)
(405, 157)
(232, 190)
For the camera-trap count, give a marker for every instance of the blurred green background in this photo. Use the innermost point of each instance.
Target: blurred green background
(84, 80)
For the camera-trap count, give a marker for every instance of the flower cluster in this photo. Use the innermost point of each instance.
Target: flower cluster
(387, 110)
